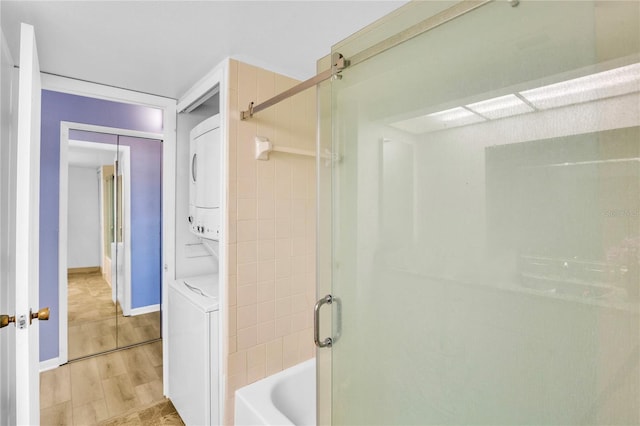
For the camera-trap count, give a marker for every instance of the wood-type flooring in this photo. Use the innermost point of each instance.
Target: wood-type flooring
(96, 323)
(118, 388)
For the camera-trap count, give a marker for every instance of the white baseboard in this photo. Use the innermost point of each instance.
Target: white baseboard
(144, 310)
(49, 364)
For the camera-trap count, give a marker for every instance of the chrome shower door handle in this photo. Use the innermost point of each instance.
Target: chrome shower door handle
(326, 343)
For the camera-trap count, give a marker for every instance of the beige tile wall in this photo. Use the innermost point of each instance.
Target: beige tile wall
(271, 232)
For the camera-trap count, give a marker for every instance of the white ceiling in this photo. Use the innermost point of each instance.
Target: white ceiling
(164, 47)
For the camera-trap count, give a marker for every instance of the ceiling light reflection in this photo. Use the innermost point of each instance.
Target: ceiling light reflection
(615, 82)
(500, 107)
(606, 84)
(454, 117)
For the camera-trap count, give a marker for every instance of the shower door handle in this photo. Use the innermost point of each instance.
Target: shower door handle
(326, 343)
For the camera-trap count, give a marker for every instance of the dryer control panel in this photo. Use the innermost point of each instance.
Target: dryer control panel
(205, 223)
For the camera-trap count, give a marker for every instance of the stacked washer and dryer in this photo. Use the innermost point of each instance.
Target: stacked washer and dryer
(193, 303)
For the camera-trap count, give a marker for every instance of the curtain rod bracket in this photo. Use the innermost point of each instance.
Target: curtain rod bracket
(248, 113)
(338, 63)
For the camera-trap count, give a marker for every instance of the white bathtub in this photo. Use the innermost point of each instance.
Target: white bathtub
(286, 398)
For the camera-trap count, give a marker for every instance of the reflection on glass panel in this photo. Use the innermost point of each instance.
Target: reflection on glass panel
(118, 304)
(486, 229)
(139, 192)
(570, 211)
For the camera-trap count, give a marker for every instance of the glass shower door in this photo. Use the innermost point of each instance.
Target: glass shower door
(485, 229)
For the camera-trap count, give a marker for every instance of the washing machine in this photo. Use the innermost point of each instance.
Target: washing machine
(194, 349)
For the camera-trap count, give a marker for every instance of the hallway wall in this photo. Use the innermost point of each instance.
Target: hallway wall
(84, 218)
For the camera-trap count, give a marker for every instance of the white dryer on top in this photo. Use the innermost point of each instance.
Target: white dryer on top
(205, 177)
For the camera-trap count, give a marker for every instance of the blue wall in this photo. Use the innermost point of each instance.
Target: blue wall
(57, 107)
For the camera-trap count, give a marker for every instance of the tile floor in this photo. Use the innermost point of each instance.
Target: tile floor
(123, 387)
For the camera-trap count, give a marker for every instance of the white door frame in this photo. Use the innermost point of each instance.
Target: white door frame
(124, 169)
(125, 158)
(168, 107)
(219, 75)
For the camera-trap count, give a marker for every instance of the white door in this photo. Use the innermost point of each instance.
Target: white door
(7, 266)
(19, 191)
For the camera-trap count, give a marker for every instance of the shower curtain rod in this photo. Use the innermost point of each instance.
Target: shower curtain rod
(338, 62)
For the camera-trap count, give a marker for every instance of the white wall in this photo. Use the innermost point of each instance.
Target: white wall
(83, 247)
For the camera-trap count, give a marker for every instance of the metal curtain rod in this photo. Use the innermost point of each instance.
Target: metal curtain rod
(338, 62)
(420, 28)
